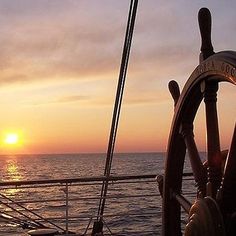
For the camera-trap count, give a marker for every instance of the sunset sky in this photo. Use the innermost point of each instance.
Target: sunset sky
(59, 62)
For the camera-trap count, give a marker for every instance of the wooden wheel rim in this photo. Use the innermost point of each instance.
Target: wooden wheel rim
(219, 67)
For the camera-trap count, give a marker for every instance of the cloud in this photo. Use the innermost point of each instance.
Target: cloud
(63, 99)
(146, 100)
(46, 43)
(13, 78)
(50, 41)
(58, 40)
(72, 98)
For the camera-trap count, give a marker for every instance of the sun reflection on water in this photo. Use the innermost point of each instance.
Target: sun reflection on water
(13, 173)
(12, 170)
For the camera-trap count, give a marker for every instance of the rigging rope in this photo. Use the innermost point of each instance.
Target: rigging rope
(26, 210)
(118, 102)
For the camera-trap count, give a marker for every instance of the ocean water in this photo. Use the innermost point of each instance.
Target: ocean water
(124, 216)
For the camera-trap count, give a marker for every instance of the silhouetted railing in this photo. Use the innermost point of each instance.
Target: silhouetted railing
(71, 204)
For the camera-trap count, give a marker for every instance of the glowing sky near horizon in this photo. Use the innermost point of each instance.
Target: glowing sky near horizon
(59, 65)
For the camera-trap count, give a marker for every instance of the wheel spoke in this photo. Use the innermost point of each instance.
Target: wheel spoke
(183, 201)
(214, 159)
(228, 189)
(199, 172)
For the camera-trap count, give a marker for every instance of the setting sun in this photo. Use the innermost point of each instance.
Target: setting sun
(12, 141)
(11, 138)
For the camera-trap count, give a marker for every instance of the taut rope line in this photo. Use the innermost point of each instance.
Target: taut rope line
(118, 102)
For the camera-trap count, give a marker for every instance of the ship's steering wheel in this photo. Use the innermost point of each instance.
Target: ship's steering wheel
(214, 210)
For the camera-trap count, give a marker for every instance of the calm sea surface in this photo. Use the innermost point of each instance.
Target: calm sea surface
(31, 167)
(140, 213)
